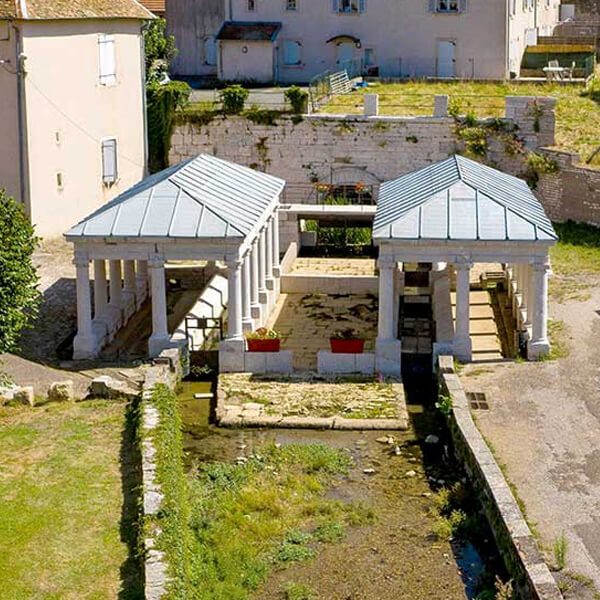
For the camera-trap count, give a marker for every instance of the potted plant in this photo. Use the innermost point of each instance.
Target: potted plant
(345, 341)
(263, 340)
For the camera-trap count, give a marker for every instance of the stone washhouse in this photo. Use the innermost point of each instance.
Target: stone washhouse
(451, 215)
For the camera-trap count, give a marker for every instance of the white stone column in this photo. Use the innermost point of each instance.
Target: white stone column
(263, 294)
(84, 344)
(129, 289)
(255, 306)
(385, 323)
(114, 318)
(388, 349)
(115, 284)
(247, 322)
(269, 256)
(100, 288)
(529, 293)
(159, 340)
(539, 344)
(275, 232)
(232, 349)
(462, 338)
(141, 280)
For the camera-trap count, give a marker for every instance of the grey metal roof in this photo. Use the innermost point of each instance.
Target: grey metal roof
(204, 197)
(460, 199)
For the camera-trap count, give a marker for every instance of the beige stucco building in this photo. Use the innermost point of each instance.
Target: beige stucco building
(483, 39)
(72, 115)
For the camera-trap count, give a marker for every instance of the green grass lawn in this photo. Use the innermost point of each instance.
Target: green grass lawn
(64, 531)
(575, 261)
(578, 115)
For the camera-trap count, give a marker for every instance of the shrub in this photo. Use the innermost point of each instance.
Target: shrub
(159, 49)
(162, 103)
(298, 99)
(233, 98)
(19, 296)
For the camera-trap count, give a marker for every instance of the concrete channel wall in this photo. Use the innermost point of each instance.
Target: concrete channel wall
(167, 369)
(531, 576)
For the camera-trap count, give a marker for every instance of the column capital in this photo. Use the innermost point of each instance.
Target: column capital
(463, 264)
(541, 266)
(234, 263)
(386, 262)
(156, 262)
(81, 259)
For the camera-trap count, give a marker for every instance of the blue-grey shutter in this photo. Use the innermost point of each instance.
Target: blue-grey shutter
(362, 6)
(463, 6)
(109, 161)
(334, 5)
(431, 5)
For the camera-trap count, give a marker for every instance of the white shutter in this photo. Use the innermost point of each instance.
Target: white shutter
(210, 51)
(335, 6)
(463, 6)
(109, 161)
(108, 68)
(432, 6)
(362, 6)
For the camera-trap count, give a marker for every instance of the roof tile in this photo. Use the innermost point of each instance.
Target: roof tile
(73, 9)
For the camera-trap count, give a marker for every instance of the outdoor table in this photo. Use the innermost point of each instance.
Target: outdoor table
(554, 72)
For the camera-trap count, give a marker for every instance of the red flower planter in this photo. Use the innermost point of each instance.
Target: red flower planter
(347, 346)
(269, 345)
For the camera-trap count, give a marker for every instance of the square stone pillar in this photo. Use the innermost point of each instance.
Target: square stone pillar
(263, 292)
(100, 288)
(269, 281)
(141, 280)
(114, 312)
(462, 338)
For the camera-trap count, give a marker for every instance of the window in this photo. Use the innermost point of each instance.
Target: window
(109, 161)
(349, 6)
(210, 51)
(108, 69)
(251, 6)
(447, 6)
(291, 5)
(292, 53)
(369, 57)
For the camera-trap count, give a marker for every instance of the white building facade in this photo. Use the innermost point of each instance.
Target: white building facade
(466, 39)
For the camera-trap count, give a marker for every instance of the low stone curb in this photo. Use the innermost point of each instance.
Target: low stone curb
(165, 370)
(523, 560)
(312, 423)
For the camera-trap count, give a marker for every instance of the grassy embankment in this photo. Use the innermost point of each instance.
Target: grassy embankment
(65, 529)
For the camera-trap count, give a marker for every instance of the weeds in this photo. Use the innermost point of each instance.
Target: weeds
(298, 591)
(560, 548)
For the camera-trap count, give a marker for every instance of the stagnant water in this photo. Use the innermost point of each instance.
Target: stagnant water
(397, 556)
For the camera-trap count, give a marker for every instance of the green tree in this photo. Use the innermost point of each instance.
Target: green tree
(19, 296)
(159, 48)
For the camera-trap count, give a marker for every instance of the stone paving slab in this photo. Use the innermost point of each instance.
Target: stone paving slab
(310, 401)
(334, 266)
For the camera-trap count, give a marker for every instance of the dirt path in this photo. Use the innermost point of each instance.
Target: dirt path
(544, 423)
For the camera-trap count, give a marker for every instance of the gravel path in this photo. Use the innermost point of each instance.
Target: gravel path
(544, 423)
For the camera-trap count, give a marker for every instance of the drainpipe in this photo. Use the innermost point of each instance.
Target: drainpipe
(22, 122)
(144, 100)
(507, 41)
(230, 10)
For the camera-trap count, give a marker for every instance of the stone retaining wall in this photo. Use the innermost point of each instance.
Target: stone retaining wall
(346, 149)
(573, 193)
(531, 577)
(167, 369)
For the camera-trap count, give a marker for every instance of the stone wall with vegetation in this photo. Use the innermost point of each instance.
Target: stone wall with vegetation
(163, 479)
(342, 149)
(572, 192)
(531, 576)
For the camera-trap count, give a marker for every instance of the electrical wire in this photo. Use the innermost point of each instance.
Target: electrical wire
(77, 125)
